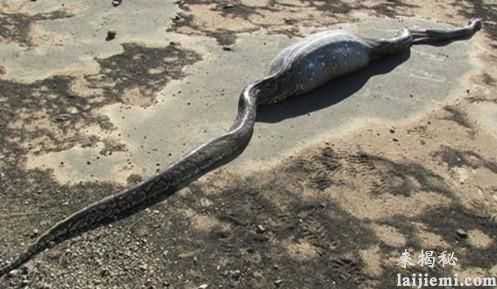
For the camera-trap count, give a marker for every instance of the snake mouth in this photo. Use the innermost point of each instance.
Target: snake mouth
(475, 24)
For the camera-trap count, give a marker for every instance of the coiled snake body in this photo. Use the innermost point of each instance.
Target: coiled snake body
(298, 69)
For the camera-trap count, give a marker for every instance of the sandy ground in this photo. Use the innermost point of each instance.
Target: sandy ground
(334, 186)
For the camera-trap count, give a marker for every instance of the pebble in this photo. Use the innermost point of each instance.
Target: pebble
(110, 35)
(62, 117)
(235, 274)
(203, 286)
(73, 110)
(205, 202)
(116, 3)
(260, 229)
(14, 273)
(461, 233)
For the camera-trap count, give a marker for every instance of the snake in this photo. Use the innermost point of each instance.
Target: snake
(296, 70)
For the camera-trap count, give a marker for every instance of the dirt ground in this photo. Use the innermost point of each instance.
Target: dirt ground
(334, 212)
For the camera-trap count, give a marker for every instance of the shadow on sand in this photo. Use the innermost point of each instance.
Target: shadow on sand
(330, 94)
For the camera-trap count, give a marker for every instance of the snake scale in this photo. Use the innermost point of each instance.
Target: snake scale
(296, 70)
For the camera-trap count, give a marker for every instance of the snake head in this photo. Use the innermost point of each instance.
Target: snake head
(475, 24)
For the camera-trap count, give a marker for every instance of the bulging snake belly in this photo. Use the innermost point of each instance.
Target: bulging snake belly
(298, 69)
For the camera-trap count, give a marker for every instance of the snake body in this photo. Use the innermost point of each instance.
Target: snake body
(298, 69)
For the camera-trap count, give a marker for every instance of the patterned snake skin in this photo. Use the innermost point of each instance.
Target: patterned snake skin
(298, 69)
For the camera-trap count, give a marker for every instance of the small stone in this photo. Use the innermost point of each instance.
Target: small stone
(203, 286)
(260, 229)
(110, 35)
(461, 233)
(73, 110)
(116, 3)
(62, 117)
(228, 6)
(104, 272)
(278, 282)
(14, 273)
(235, 274)
(204, 202)
(257, 275)
(227, 48)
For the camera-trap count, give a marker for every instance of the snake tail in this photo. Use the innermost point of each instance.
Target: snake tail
(197, 163)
